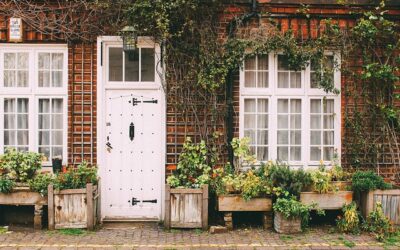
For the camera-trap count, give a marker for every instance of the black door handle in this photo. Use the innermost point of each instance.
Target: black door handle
(131, 131)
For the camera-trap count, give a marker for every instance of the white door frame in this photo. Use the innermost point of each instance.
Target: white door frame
(101, 105)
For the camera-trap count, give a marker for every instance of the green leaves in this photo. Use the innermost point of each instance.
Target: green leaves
(6, 185)
(20, 166)
(291, 208)
(364, 181)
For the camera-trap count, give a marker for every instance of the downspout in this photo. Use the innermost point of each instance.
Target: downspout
(231, 29)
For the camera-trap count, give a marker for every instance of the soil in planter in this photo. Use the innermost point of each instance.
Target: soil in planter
(20, 218)
(329, 218)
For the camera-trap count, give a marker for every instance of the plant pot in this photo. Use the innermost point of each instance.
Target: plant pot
(285, 225)
(57, 165)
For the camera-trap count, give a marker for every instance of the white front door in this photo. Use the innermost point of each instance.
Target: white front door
(132, 181)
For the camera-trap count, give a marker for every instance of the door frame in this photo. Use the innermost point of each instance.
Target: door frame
(102, 43)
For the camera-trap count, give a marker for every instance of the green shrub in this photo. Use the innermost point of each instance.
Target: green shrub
(40, 183)
(364, 181)
(6, 185)
(76, 178)
(378, 224)
(321, 181)
(20, 166)
(350, 221)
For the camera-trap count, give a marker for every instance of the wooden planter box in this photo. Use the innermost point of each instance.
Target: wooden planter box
(390, 200)
(327, 201)
(285, 225)
(186, 208)
(235, 203)
(73, 208)
(23, 196)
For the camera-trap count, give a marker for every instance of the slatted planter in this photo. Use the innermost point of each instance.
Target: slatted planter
(285, 225)
(186, 208)
(23, 196)
(73, 208)
(327, 201)
(390, 200)
(235, 203)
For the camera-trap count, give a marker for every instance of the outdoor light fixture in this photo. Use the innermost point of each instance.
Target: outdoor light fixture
(129, 38)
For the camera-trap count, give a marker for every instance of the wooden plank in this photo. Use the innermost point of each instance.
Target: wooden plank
(71, 191)
(22, 197)
(167, 219)
(186, 191)
(89, 206)
(204, 212)
(50, 209)
(227, 203)
(329, 201)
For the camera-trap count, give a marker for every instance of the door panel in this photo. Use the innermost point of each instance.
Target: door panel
(133, 165)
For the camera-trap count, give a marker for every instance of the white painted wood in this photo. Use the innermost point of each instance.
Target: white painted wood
(132, 168)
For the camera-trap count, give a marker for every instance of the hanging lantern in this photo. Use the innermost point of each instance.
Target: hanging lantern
(129, 38)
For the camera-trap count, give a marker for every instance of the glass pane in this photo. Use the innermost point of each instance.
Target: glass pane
(314, 80)
(262, 153)
(57, 106)
(329, 62)
(283, 79)
(44, 138)
(44, 121)
(9, 105)
(328, 153)
(295, 137)
(315, 138)
(295, 106)
(328, 107)
(23, 149)
(295, 121)
(57, 78)
(262, 106)
(263, 62)
(115, 64)
(57, 61)
(9, 78)
(328, 122)
(9, 138)
(283, 106)
(57, 152)
(262, 137)
(22, 122)
(23, 61)
(315, 121)
(57, 121)
(9, 61)
(328, 137)
(22, 105)
(250, 79)
(251, 135)
(263, 79)
(23, 137)
(22, 78)
(44, 60)
(57, 138)
(9, 121)
(295, 80)
(45, 151)
(315, 154)
(262, 121)
(44, 105)
(250, 63)
(283, 121)
(283, 62)
(283, 137)
(250, 105)
(295, 153)
(148, 65)
(315, 106)
(132, 66)
(282, 153)
(249, 121)
(44, 78)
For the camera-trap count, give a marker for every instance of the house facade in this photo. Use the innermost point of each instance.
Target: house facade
(91, 101)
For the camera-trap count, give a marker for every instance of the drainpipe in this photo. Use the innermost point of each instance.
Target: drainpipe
(231, 28)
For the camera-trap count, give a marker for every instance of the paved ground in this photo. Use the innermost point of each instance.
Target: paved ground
(152, 236)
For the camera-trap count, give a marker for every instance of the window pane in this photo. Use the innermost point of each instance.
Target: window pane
(283, 121)
(57, 138)
(44, 121)
(262, 153)
(44, 105)
(250, 63)
(44, 60)
(9, 121)
(263, 79)
(328, 106)
(9, 138)
(295, 153)
(315, 138)
(9, 78)
(295, 121)
(262, 105)
(328, 137)
(315, 154)
(282, 153)
(57, 106)
(249, 121)
(328, 153)
(57, 152)
(295, 137)
(283, 80)
(57, 78)
(148, 65)
(132, 66)
(328, 122)
(250, 105)
(22, 137)
(44, 138)
(22, 78)
(251, 135)
(295, 106)
(314, 80)
(295, 80)
(283, 106)
(9, 61)
(250, 79)
(283, 62)
(262, 137)
(315, 106)
(22, 122)
(9, 105)
(115, 64)
(44, 78)
(315, 121)
(45, 151)
(57, 61)
(263, 62)
(22, 105)
(57, 121)
(283, 137)
(262, 121)
(23, 59)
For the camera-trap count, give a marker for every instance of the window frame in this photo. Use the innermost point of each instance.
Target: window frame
(306, 93)
(33, 92)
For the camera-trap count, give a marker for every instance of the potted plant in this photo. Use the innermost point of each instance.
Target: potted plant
(370, 189)
(57, 164)
(187, 188)
(291, 216)
(72, 197)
